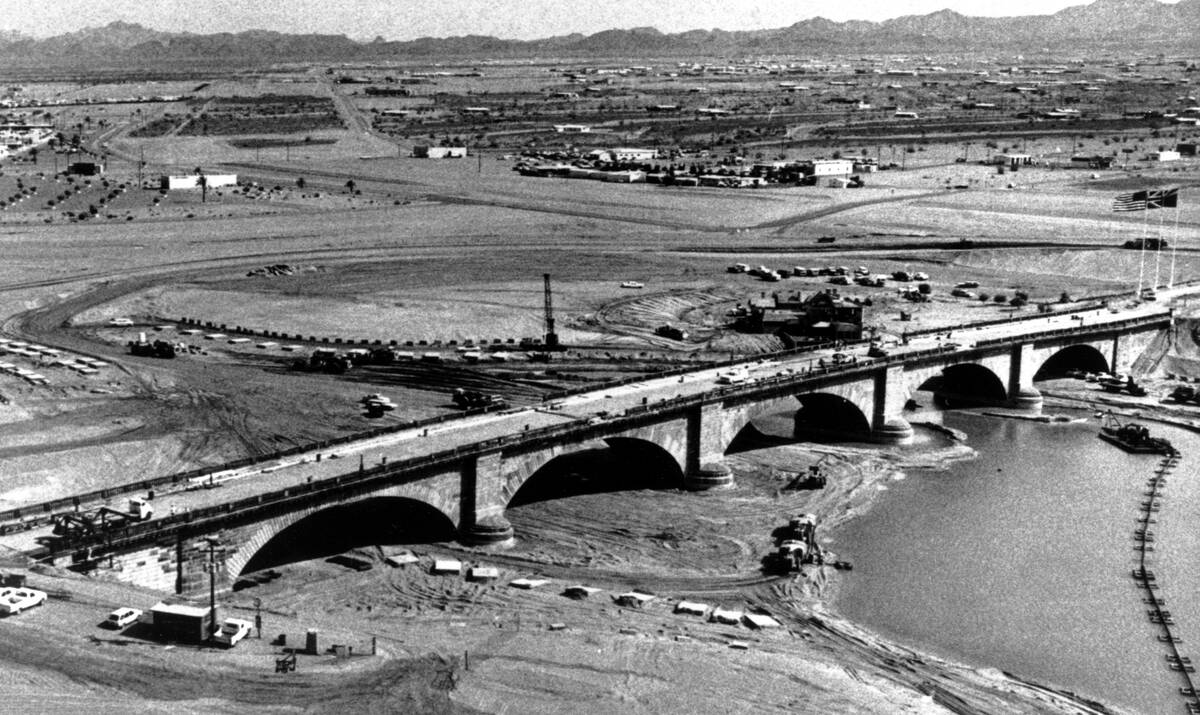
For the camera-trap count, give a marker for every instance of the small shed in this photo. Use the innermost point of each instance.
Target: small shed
(404, 558)
(446, 566)
(632, 599)
(528, 583)
(579, 592)
(760, 620)
(691, 608)
(483, 573)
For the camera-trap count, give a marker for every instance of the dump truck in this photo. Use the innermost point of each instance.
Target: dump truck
(796, 545)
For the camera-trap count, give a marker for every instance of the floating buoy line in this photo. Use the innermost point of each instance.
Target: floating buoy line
(1146, 580)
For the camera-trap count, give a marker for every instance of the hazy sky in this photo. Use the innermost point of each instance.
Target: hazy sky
(519, 19)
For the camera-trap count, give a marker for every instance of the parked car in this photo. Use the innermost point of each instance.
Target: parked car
(15, 600)
(122, 617)
(733, 376)
(232, 631)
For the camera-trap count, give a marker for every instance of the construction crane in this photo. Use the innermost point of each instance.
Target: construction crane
(551, 336)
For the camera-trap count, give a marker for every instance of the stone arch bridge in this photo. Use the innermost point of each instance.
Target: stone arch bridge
(468, 489)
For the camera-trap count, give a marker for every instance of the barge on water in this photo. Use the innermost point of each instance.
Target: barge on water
(1133, 437)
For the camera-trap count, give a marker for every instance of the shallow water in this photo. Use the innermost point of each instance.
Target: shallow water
(1020, 560)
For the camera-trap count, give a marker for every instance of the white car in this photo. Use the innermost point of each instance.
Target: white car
(122, 617)
(15, 600)
(732, 376)
(232, 631)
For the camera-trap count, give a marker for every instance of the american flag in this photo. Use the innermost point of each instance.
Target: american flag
(1134, 201)
(1144, 200)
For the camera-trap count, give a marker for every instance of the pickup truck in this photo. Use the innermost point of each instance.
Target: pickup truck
(232, 631)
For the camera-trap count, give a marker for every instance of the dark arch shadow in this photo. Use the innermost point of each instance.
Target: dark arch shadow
(626, 464)
(821, 417)
(966, 385)
(380, 520)
(830, 418)
(1075, 357)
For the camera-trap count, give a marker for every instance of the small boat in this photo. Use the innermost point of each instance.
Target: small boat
(632, 284)
(1133, 437)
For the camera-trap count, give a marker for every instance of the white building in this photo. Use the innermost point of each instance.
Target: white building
(832, 167)
(192, 181)
(439, 152)
(1012, 160)
(1163, 156)
(632, 154)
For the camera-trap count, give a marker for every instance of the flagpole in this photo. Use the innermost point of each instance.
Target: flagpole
(1174, 244)
(1157, 250)
(1142, 254)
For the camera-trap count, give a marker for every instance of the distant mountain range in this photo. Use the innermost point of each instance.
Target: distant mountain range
(1104, 25)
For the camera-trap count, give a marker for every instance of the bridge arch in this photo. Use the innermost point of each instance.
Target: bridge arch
(966, 384)
(332, 529)
(827, 416)
(837, 413)
(620, 463)
(1083, 357)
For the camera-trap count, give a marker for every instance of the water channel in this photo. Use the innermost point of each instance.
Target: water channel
(1020, 560)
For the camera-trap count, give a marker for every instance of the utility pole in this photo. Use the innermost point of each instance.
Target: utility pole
(213, 549)
(551, 336)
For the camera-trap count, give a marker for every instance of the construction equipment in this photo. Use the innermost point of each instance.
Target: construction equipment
(796, 545)
(551, 336)
(813, 479)
(144, 348)
(74, 524)
(474, 399)
(324, 360)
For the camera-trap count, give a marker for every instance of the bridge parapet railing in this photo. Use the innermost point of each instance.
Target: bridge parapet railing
(37, 514)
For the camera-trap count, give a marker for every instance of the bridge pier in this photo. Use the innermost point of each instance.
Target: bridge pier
(892, 430)
(712, 475)
(482, 521)
(493, 531)
(890, 395)
(1026, 398)
(1021, 392)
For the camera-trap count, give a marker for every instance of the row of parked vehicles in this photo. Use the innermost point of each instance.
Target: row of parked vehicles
(861, 274)
(1110, 382)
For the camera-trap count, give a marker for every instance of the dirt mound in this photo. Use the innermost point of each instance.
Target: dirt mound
(695, 311)
(1184, 356)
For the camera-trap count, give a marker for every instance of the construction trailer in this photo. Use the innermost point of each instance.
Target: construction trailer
(182, 622)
